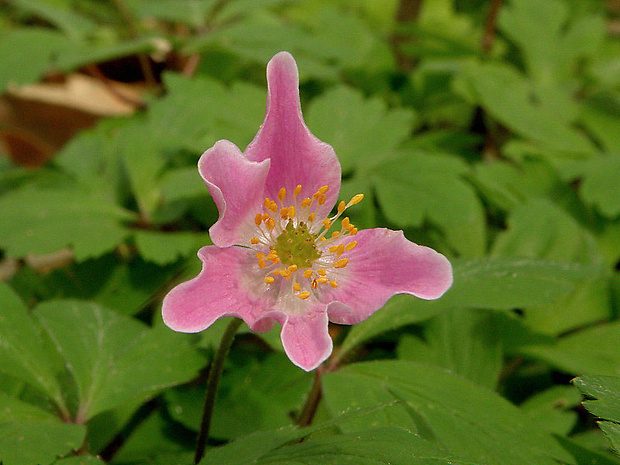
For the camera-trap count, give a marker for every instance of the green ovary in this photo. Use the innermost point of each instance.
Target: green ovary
(295, 246)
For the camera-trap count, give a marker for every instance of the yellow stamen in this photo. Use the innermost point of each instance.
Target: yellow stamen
(297, 287)
(321, 192)
(355, 199)
(311, 217)
(273, 206)
(346, 223)
(285, 274)
(341, 263)
(322, 280)
(333, 284)
(303, 295)
(292, 268)
(291, 212)
(254, 240)
(335, 233)
(282, 194)
(270, 223)
(322, 199)
(308, 274)
(314, 284)
(261, 263)
(333, 248)
(353, 232)
(269, 280)
(305, 203)
(260, 255)
(350, 246)
(321, 272)
(258, 219)
(284, 213)
(340, 250)
(327, 223)
(341, 207)
(297, 190)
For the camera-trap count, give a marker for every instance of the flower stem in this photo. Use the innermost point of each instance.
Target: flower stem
(312, 402)
(213, 381)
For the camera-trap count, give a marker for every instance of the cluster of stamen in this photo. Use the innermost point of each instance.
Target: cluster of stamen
(293, 246)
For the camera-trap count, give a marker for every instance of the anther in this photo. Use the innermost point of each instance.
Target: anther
(353, 232)
(261, 263)
(322, 280)
(297, 287)
(258, 219)
(333, 248)
(303, 295)
(284, 213)
(254, 240)
(305, 203)
(269, 279)
(292, 268)
(321, 272)
(311, 217)
(355, 199)
(297, 190)
(346, 223)
(321, 191)
(340, 249)
(291, 212)
(333, 284)
(308, 274)
(350, 246)
(335, 233)
(270, 223)
(341, 263)
(341, 207)
(327, 223)
(322, 199)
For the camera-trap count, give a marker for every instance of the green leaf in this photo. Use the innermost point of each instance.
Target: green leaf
(539, 229)
(600, 184)
(606, 392)
(38, 44)
(511, 99)
(495, 284)
(33, 436)
(469, 421)
(552, 409)
(362, 132)
(164, 248)
(584, 455)
(41, 221)
(417, 186)
(68, 20)
(113, 358)
(594, 350)
(24, 352)
(190, 12)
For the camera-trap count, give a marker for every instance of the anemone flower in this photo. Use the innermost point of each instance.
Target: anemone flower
(279, 254)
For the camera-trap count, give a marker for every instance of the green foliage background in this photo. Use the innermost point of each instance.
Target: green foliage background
(494, 139)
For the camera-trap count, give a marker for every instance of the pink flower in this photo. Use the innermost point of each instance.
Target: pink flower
(278, 255)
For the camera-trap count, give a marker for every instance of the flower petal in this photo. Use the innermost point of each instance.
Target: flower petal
(306, 339)
(382, 264)
(297, 156)
(219, 290)
(237, 187)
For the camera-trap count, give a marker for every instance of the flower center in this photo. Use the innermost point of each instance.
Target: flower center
(296, 246)
(292, 244)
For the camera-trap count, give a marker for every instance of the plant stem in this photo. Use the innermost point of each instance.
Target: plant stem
(312, 402)
(213, 381)
(489, 26)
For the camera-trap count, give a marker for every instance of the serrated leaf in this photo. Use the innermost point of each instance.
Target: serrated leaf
(362, 132)
(32, 436)
(41, 221)
(606, 392)
(417, 186)
(113, 358)
(469, 421)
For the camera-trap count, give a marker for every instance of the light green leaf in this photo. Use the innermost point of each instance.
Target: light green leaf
(113, 358)
(190, 12)
(164, 248)
(33, 436)
(591, 351)
(606, 392)
(41, 221)
(362, 132)
(418, 186)
(68, 20)
(511, 98)
(600, 185)
(469, 421)
(552, 409)
(24, 352)
(38, 44)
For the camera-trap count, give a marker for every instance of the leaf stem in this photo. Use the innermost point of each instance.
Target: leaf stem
(213, 381)
(312, 401)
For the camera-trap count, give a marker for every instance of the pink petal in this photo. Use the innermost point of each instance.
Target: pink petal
(306, 340)
(221, 289)
(297, 156)
(382, 264)
(237, 187)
